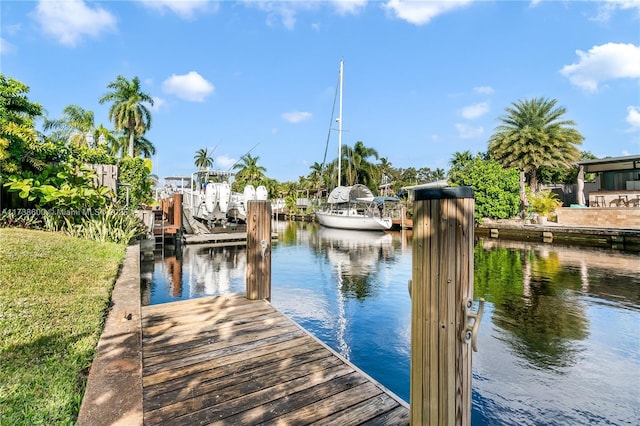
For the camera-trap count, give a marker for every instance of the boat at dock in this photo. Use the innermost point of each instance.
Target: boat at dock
(355, 208)
(208, 198)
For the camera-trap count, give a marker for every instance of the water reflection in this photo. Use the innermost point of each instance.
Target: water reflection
(355, 256)
(559, 343)
(196, 271)
(532, 303)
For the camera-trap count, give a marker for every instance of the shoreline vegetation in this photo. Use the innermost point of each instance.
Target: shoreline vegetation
(55, 292)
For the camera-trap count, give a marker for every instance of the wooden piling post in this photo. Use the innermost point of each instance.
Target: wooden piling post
(177, 211)
(258, 272)
(441, 287)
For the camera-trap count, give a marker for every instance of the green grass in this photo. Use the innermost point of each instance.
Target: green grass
(54, 293)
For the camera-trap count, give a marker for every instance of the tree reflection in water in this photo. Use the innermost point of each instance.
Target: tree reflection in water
(355, 257)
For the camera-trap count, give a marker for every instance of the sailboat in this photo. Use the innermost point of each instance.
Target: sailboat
(353, 207)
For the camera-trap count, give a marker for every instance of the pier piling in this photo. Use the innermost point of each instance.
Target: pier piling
(441, 297)
(258, 272)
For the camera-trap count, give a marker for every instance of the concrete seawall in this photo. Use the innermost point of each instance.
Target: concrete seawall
(114, 387)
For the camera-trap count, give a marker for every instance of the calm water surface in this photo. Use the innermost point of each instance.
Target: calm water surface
(559, 342)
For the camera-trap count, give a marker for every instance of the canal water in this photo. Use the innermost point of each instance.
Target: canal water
(559, 342)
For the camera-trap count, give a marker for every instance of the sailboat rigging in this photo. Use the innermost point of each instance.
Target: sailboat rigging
(352, 207)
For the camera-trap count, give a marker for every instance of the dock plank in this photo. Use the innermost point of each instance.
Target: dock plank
(228, 360)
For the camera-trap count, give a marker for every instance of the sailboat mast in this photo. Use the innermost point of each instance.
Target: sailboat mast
(340, 127)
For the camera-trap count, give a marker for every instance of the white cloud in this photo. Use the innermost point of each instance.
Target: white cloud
(296, 116)
(601, 63)
(182, 8)
(346, 7)
(421, 12)
(285, 12)
(469, 132)
(633, 117)
(191, 86)
(224, 162)
(280, 11)
(606, 8)
(474, 111)
(70, 20)
(483, 90)
(6, 47)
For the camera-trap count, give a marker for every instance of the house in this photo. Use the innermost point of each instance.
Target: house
(617, 182)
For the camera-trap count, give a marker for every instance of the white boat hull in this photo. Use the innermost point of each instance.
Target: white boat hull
(353, 221)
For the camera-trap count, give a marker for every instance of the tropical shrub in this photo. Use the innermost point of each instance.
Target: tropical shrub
(11, 218)
(497, 190)
(110, 224)
(543, 202)
(135, 173)
(59, 188)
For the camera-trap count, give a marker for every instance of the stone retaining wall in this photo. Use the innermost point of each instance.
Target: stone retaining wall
(616, 217)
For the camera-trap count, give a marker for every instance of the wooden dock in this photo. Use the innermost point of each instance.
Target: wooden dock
(226, 360)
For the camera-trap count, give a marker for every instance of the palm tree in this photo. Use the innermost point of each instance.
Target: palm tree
(315, 177)
(250, 172)
(75, 127)
(359, 169)
(203, 159)
(102, 135)
(534, 135)
(458, 162)
(141, 145)
(438, 174)
(128, 111)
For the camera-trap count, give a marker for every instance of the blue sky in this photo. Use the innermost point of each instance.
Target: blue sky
(422, 79)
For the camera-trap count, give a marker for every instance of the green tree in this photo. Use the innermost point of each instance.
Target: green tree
(424, 175)
(141, 145)
(203, 159)
(497, 190)
(136, 173)
(438, 174)
(358, 168)
(249, 172)
(315, 176)
(128, 110)
(565, 175)
(19, 142)
(534, 135)
(75, 128)
(458, 162)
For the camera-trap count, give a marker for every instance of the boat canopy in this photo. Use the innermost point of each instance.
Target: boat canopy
(382, 200)
(345, 194)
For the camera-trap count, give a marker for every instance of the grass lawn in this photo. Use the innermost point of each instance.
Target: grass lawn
(54, 292)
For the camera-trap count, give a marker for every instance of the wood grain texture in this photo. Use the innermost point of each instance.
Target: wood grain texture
(227, 360)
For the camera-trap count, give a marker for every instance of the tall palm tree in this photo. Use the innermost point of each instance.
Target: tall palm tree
(359, 169)
(203, 159)
(128, 111)
(533, 135)
(141, 145)
(315, 176)
(75, 127)
(249, 170)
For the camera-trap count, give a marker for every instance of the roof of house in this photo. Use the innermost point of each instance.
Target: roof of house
(629, 162)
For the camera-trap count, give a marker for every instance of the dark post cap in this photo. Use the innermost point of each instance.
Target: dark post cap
(442, 193)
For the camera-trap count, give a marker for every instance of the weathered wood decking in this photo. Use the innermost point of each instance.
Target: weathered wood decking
(231, 361)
